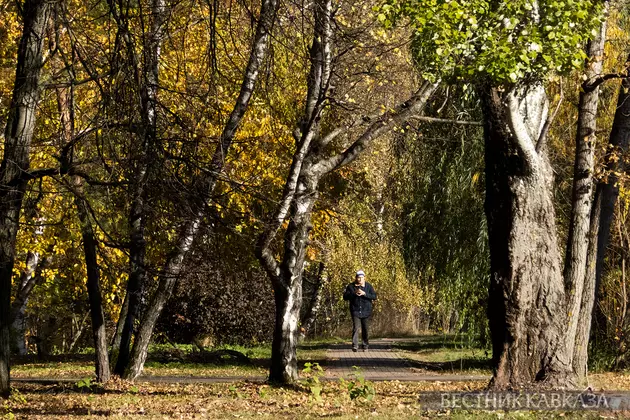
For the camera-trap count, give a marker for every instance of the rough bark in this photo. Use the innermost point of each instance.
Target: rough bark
(579, 237)
(144, 161)
(606, 195)
(16, 162)
(288, 288)
(205, 185)
(299, 196)
(526, 294)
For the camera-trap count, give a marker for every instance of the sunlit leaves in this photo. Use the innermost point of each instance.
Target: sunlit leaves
(505, 41)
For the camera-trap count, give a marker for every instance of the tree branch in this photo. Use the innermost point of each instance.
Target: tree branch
(383, 124)
(446, 121)
(542, 139)
(523, 140)
(592, 84)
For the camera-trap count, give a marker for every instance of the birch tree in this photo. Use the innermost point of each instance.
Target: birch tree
(205, 185)
(310, 163)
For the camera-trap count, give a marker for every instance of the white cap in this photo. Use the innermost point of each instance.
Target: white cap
(360, 273)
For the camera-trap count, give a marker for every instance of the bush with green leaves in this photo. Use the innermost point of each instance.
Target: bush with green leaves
(505, 41)
(312, 373)
(358, 387)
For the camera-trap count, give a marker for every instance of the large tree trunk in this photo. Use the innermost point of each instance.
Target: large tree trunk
(310, 163)
(283, 367)
(205, 184)
(145, 161)
(526, 296)
(16, 162)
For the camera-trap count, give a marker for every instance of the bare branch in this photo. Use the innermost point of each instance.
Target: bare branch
(446, 121)
(592, 84)
(383, 124)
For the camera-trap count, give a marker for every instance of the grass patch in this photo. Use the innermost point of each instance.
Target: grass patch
(445, 354)
(170, 360)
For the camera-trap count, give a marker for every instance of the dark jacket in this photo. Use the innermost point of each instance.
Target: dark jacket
(360, 306)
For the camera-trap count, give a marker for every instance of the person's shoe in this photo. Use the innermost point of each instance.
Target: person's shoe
(354, 349)
(365, 348)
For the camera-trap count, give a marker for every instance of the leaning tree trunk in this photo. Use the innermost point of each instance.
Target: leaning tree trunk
(205, 184)
(16, 162)
(168, 280)
(116, 338)
(526, 295)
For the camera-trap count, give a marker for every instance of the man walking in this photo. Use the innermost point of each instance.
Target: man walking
(360, 294)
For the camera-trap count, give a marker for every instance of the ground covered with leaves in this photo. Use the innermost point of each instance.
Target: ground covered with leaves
(349, 398)
(248, 399)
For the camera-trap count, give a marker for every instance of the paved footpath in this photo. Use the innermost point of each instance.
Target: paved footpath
(380, 363)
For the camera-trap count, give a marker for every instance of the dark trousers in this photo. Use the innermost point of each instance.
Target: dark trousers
(363, 322)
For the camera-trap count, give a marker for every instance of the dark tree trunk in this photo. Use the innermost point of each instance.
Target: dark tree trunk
(526, 296)
(65, 104)
(16, 162)
(205, 185)
(94, 288)
(144, 163)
